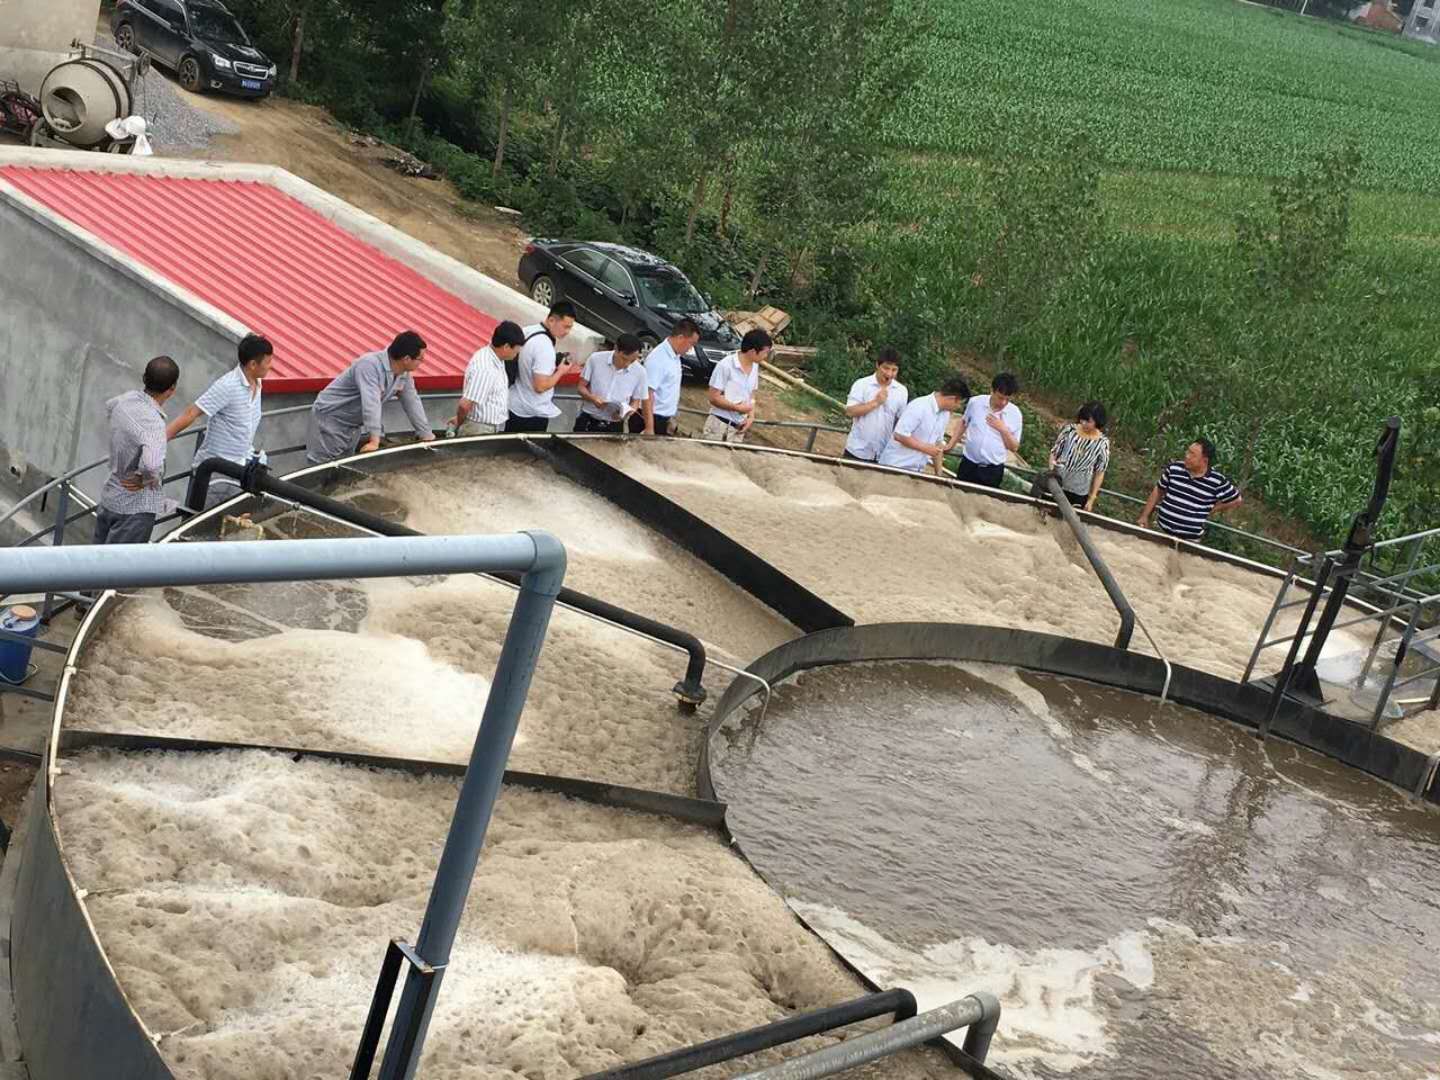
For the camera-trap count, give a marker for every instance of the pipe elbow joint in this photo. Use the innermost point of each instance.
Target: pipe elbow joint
(548, 571)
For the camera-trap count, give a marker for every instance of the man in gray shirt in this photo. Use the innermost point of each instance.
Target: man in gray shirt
(352, 403)
(133, 497)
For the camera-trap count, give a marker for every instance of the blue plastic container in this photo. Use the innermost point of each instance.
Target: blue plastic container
(15, 655)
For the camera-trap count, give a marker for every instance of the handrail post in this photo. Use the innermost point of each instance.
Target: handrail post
(1262, 640)
(57, 539)
(810, 442)
(1107, 579)
(1282, 680)
(1400, 650)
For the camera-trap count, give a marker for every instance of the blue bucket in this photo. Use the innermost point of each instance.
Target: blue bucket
(15, 655)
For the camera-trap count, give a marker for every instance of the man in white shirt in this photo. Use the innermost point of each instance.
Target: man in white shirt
(919, 436)
(485, 396)
(538, 373)
(993, 425)
(613, 386)
(232, 404)
(875, 404)
(732, 390)
(662, 372)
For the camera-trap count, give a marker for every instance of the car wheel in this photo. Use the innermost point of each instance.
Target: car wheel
(125, 38)
(189, 72)
(543, 291)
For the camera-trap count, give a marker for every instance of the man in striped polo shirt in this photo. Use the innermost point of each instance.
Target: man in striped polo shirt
(485, 398)
(1188, 492)
(232, 404)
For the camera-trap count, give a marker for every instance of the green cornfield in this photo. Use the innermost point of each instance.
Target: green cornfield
(1194, 107)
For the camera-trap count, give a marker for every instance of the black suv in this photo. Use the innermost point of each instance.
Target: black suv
(622, 290)
(197, 39)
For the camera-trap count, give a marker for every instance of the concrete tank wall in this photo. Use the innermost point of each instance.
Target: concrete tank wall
(77, 330)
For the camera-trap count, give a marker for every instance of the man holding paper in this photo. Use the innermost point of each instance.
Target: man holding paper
(612, 387)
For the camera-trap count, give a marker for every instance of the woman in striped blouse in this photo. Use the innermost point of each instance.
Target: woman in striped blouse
(1082, 454)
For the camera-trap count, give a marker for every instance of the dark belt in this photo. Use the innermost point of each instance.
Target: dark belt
(723, 420)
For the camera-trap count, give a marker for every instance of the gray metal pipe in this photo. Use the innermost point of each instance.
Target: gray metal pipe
(1107, 579)
(981, 1010)
(143, 566)
(472, 812)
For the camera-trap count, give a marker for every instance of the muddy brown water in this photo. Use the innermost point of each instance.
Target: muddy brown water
(1151, 891)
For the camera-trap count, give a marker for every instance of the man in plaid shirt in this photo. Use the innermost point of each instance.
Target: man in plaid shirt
(132, 497)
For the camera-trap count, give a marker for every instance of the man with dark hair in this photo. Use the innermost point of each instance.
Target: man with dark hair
(613, 386)
(1188, 492)
(232, 403)
(993, 426)
(875, 404)
(662, 372)
(133, 497)
(354, 401)
(732, 390)
(919, 436)
(485, 397)
(537, 372)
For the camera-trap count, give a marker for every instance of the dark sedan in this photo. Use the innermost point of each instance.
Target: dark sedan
(622, 290)
(199, 40)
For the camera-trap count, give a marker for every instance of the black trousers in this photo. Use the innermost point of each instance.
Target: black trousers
(526, 423)
(584, 422)
(856, 457)
(974, 473)
(662, 424)
(1076, 500)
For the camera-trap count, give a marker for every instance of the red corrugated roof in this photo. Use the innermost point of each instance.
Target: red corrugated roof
(322, 296)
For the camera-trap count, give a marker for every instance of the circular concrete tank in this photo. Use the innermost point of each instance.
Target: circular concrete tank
(1151, 890)
(230, 828)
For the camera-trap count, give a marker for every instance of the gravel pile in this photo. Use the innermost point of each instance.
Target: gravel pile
(176, 126)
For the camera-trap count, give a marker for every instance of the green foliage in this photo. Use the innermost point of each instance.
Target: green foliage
(1203, 86)
(1045, 221)
(1292, 251)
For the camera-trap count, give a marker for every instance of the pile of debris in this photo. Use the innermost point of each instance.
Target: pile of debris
(774, 322)
(401, 161)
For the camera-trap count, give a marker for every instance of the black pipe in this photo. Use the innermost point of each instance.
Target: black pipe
(729, 1047)
(1357, 543)
(256, 479)
(1107, 579)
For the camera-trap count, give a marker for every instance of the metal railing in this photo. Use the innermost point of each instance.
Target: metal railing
(1404, 619)
(979, 1013)
(67, 494)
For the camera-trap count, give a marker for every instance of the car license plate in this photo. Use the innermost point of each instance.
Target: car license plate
(252, 84)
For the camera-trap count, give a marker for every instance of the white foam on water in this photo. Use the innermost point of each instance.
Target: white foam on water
(375, 692)
(1050, 1012)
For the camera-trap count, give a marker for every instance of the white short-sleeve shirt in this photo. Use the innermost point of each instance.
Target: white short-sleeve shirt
(922, 419)
(234, 413)
(735, 384)
(537, 357)
(662, 372)
(609, 383)
(870, 433)
(983, 444)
